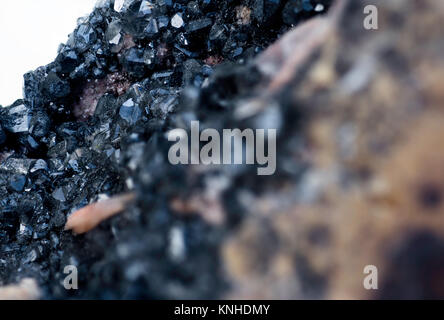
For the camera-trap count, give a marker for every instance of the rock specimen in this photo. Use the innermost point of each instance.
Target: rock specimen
(359, 170)
(92, 125)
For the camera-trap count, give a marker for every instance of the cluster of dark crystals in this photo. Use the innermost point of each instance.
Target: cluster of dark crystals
(92, 125)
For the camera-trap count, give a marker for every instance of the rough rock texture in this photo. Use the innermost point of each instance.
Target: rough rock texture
(372, 190)
(359, 172)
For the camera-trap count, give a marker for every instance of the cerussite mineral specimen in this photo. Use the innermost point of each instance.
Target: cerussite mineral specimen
(359, 173)
(92, 125)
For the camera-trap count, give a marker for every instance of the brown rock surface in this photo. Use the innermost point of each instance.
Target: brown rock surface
(373, 106)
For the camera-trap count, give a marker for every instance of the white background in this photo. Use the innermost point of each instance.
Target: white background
(30, 33)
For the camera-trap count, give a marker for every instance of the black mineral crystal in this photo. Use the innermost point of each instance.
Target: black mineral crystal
(93, 125)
